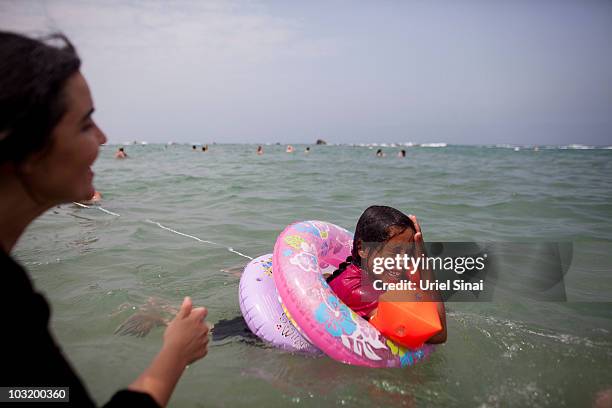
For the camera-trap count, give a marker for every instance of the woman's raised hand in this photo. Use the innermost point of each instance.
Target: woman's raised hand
(187, 333)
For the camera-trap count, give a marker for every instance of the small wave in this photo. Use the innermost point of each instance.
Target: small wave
(516, 327)
(577, 147)
(433, 145)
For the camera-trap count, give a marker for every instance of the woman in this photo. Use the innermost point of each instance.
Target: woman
(48, 141)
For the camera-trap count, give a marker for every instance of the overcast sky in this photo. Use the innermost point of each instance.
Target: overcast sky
(472, 72)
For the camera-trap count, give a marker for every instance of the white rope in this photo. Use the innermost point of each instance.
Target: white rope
(197, 239)
(238, 253)
(167, 229)
(180, 233)
(97, 208)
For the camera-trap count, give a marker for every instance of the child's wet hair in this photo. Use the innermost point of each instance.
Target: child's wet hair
(377, 224)
(375, 227)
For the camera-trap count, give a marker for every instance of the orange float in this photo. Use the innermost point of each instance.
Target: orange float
(408, 323)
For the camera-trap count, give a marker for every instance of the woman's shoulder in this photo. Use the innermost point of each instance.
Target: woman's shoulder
(19, 293)
(14, 277)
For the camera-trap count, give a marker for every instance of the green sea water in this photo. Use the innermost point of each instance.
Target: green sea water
(95, 268)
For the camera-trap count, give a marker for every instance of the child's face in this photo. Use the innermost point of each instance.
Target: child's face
(401, 242)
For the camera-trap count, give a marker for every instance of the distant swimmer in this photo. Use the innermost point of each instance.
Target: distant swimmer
(121, 154)
(259, 150)
(205, 148)
(194, 148)
(402, 153)
(289, 149)
(307, 150)
(379, 153)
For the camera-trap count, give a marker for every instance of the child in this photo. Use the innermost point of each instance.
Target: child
(380, 232)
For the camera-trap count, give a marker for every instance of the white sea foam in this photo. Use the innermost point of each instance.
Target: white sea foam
(577, 147)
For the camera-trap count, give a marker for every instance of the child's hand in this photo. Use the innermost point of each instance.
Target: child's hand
(419, 247)
(418, 237)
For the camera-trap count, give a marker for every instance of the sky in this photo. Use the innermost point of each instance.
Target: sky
(248, 71)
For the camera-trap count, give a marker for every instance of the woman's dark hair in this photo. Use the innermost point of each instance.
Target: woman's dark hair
(33, 74)
(374, 228)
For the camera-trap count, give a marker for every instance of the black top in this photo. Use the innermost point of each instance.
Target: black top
(29, 356)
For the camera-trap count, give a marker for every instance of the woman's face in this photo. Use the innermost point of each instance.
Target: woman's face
(63, 172)
(400, 243)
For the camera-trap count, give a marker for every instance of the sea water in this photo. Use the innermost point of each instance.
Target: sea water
(96, 268)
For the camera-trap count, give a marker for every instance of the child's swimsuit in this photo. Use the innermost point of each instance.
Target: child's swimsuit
(356, 290)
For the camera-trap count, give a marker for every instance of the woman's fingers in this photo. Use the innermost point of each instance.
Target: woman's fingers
(199, 313)
(185, 308)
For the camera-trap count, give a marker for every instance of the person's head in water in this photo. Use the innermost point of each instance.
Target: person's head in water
(120, 153)
(259, 150)
(379, 153)
(48, 139)
(381, 231)
(307, 150)
(194, 147)
(402, 153)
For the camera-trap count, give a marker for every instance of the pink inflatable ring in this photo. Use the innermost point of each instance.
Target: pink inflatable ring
(302, 253)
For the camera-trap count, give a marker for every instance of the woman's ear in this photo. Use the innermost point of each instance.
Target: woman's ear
(31, 162)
